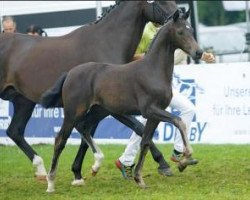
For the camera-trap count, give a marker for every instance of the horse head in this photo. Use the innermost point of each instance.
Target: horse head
(158, 11)
(182, 34)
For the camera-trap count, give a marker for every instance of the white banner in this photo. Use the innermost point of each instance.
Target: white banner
(221, 94)
(234, 5)
(4, 108)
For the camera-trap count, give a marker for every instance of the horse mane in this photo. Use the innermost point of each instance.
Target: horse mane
(108, 10)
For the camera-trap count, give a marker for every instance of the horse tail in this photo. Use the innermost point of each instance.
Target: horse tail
(53, 96)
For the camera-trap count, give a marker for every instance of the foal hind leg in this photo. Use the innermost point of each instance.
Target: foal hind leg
(22, 112)
(60, 142)
(150, 127)
(86, 142)
(98, 155)
(87, 126)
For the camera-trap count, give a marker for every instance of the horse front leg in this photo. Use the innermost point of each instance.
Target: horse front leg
(138, 128)
(150, 127)
(22, 112)
(60, 142)
(77, 164)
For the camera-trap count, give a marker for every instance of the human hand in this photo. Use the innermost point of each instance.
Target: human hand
(208, 57)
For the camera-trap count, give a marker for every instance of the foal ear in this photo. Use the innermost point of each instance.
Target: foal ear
(176, 15)
(186, 15)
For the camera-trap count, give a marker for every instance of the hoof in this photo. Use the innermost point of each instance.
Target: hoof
(140, 182)
(50, 190)
(181, 167)
(143, 186)
(79, 182)
(185, 162)
(165, 171)
(94, 172)
(41, 177)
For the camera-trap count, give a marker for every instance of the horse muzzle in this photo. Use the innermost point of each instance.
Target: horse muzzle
(198, 54)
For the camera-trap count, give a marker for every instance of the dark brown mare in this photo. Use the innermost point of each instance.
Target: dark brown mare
(140, 87)
(30, 65)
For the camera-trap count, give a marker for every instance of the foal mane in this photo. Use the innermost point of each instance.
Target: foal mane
(155, 37)
(165, 24)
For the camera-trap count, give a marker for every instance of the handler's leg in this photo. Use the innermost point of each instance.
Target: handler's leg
(126, 162)
(187, 112)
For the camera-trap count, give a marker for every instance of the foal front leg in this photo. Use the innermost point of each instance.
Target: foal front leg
(60, 142)
(147, 136)
(162, 115)
(138, 127)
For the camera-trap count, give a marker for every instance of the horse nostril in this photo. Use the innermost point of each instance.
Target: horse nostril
(199, 54)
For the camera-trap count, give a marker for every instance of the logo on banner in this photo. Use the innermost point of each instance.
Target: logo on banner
(189, 89)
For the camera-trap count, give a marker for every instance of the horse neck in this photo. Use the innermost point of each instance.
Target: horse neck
(161, 55)
(124, 25)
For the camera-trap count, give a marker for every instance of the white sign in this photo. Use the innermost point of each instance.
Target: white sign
(234, 5)
(221, 94)
(4, 108)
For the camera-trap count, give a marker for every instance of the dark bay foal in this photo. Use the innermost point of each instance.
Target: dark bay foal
(140, 87)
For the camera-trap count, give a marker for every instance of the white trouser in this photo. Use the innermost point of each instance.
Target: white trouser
(187, 111)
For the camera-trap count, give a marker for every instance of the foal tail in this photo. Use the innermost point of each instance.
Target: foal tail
(53, 96)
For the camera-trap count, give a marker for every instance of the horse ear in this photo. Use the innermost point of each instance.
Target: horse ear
(186, 15)
(176, 15)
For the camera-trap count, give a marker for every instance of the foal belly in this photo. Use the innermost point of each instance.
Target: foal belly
(119, 104)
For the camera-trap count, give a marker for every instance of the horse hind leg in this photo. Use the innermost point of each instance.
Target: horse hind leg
(77, 164)
(22, 112)
(60, 142)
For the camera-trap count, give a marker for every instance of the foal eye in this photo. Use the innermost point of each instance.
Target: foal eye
(180, 32)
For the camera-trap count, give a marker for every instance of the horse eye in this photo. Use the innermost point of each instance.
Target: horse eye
(180, 32)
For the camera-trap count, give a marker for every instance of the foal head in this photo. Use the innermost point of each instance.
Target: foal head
(158, 11)
(182, 35)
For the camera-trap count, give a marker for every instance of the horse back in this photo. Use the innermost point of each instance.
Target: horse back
(32, 64)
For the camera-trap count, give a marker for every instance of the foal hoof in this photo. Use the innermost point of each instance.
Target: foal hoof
(94, 172)
(50, 190)
(165, 171)
(181, 167)
(140, 183)
(185, 162)
(41, 177)
(78, 182)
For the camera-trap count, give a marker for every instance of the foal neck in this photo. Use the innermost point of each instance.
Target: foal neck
(161, 53)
